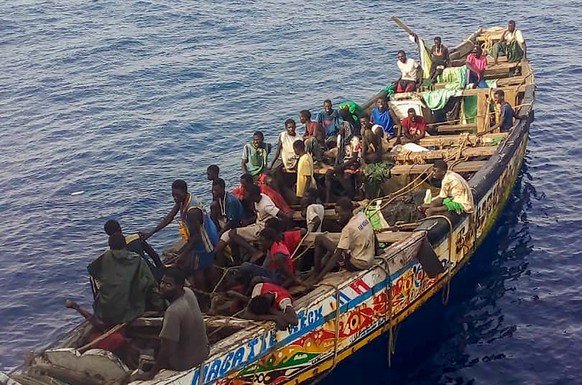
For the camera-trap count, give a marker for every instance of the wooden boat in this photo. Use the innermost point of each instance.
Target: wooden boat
(347, 310)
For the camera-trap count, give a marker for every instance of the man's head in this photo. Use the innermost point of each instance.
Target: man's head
(117, 241)
(381, 103)
(172, 283)
(261, 304)
(402, 56)
(304, 116)
(499, 96)
(327, 106)
(112, 226)
(267, 237)
(511, 26)
(365, 121)
(179, 190)
(478, 50)
(253, 193)
(439, 169)
(246, 180)
(344, 210)
(412, 114)
(258, 139)
(218, 188)
(437, 41)
(290, 126)
(212, 172)
(299, 147)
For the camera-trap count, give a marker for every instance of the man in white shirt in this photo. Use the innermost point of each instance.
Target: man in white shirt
(249, 232)
(355, 250)
(410, 73)
(455, 194)
(511, 44)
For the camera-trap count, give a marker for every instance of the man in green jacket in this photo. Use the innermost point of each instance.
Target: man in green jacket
(125, 286)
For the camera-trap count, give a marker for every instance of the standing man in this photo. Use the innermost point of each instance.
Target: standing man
(511, 44)
(183, 340)
(226, 211)
(254, 155)
(329, 119)
(356, 247)
(439, 54)
(413, 127)
(196, 255)
(455, 194)
(305, 178)
(285, 146)
(506, 114)
(410, 73)
(381, 116)
(314, 136)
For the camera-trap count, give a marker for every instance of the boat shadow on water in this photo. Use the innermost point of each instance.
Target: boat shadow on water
(435, 342)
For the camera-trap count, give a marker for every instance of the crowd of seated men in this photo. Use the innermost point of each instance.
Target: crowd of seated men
(239, 255)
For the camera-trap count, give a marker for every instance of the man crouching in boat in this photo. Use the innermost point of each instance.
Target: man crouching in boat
(126, 289)
(183, 340)
(356, 247)
(455, 194)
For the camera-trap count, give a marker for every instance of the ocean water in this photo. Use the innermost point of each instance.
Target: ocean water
(117, 99)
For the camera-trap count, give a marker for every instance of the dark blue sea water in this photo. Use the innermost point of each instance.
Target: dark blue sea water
(117, 99)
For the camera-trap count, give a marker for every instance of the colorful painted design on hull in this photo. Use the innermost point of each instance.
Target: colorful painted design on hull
(365, 304)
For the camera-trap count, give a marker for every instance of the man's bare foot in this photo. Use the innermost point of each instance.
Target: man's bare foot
(71, 304)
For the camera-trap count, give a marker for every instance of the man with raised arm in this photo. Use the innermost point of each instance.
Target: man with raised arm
(183, 340)
(506, 114)
(455, 194)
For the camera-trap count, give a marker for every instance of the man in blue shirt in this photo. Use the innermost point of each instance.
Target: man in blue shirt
(381, 116)
(329, 119)
(506, 114)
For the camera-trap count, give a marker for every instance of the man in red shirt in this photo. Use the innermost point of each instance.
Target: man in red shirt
(413, 127)
(314, 136)
(277, 266)
(270, 302)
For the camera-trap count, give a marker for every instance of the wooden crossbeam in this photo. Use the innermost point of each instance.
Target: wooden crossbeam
(440, 154)
(385, 237)
(456, 127)
(449, 140)
(463, 167)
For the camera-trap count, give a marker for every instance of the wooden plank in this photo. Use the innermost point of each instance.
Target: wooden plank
(415, 169)
(328, 213)
(440, 154)
(456, 127)
(384, 237)
(483, 103)
(449, 140)
(478, 91)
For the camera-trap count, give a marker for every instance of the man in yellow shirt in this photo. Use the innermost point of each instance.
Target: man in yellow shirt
(305, 178)
(455, 194)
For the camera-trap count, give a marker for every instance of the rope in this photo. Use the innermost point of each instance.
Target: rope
(102, 337)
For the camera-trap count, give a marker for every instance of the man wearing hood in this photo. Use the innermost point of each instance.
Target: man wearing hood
(126, 286)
